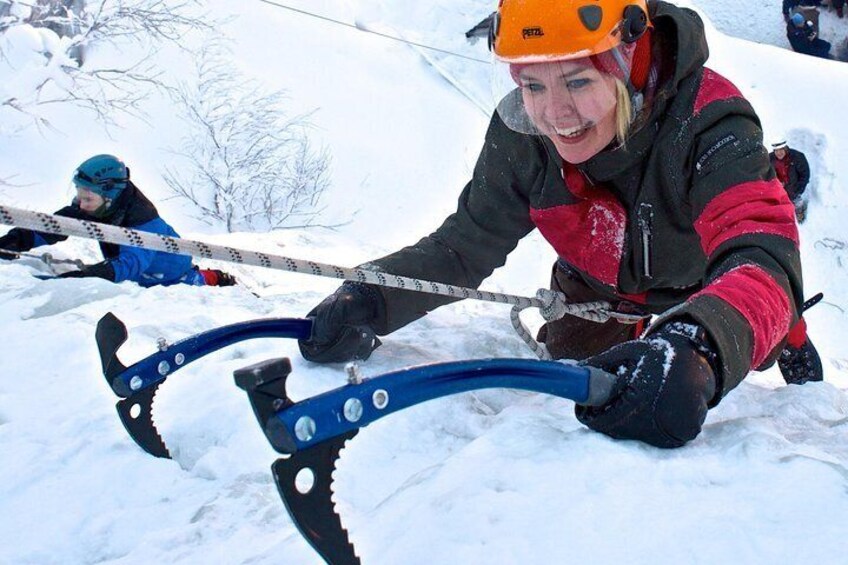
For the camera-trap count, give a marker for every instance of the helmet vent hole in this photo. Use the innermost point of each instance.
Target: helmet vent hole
(591, 16)
(634, 24)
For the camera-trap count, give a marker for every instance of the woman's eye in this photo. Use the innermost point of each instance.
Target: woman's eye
(578, 83)
(534, 87)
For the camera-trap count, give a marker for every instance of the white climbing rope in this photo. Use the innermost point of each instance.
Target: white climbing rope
(552, 305)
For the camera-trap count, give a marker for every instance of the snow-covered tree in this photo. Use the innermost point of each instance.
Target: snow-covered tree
(247, 164)
(44, 59)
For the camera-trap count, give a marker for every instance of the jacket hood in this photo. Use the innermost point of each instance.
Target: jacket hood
(682, 33)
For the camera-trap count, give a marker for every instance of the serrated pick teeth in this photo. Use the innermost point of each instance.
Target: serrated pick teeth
(338, 456)
(136, 413)
(153, 422)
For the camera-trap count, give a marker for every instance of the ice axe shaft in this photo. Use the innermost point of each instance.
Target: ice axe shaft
(111, 333)
(309, 422)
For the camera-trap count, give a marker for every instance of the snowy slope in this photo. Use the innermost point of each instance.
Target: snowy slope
(495, 476)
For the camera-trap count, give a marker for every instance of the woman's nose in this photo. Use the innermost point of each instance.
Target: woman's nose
(559, 103)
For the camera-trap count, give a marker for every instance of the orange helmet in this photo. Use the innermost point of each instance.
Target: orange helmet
(525, 31)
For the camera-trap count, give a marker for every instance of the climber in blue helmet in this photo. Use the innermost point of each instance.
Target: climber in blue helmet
(105, 194)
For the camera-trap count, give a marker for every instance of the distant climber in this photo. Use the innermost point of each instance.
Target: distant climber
(793, 171)
(106, 194)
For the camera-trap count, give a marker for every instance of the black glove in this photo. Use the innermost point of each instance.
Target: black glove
(103, 270)
(72, 275)
(342, 329)
(225, 279)
(7, 255)
(667, 382)
(14, 241)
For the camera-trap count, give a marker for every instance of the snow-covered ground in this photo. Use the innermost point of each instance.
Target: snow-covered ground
(495, 476)
(762, 21)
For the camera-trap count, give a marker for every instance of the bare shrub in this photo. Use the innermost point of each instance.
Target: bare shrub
(247, 164)
(65, 76)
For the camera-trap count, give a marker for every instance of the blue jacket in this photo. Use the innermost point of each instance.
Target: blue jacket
(146, 267)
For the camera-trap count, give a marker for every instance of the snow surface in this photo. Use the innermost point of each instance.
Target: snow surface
(495, 476)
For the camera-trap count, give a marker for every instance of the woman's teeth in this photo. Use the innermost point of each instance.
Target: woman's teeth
(572, 132)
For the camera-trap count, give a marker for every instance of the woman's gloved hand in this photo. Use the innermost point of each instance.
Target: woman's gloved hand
(342, 329)
(667, 381)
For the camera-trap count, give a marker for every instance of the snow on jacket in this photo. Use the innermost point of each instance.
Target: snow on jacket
(146, 267)
(687, 218)
(797, 171)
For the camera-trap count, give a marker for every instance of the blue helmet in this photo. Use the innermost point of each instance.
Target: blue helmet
(797, 19)
(105, 175)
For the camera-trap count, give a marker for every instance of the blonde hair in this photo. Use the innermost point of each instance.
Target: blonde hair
(623, 111)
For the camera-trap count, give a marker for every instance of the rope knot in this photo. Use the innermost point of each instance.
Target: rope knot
(554, 304)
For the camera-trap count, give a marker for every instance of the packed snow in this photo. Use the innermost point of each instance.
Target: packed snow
(495, 476)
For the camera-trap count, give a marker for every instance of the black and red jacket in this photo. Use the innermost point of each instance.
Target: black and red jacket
(797, 172)
(686, 219)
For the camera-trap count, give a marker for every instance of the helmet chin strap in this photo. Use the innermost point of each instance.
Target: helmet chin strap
(637, 98)
(637, 101)
(625, 69)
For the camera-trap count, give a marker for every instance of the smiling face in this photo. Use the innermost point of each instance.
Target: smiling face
(572, 103)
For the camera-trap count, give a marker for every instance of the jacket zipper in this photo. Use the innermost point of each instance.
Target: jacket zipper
(645, 220)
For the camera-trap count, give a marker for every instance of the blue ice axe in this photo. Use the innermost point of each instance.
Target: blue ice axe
(138, 383)
(311, 433)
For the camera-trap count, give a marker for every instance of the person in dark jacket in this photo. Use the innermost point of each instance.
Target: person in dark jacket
(647, 174)
(793, 171)
(790, 5)
(106, 194)
(804, 38)
(800, 356)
